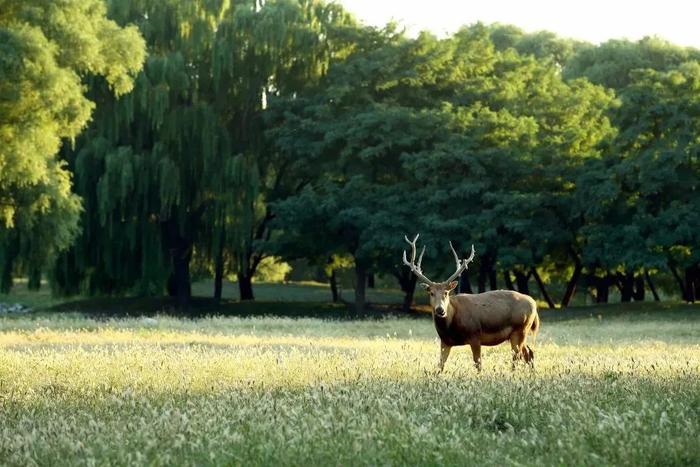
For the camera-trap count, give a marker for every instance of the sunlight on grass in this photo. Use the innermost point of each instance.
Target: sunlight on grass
(282, 391)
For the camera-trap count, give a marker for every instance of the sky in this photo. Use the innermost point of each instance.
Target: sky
(591, 20)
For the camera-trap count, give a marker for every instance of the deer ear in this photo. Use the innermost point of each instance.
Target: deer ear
(452, 285)
(425, 286)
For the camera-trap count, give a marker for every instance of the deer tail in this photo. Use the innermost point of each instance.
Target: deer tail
(535, 328)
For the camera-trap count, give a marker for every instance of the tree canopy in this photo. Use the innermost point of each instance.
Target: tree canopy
(46, 54)
(284, 128)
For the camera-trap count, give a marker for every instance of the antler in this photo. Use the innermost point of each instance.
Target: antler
(461, 264)
(412, 264)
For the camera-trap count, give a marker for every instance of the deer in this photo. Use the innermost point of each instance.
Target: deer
(484, 319)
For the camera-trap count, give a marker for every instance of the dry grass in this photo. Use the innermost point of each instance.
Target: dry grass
(163, 391)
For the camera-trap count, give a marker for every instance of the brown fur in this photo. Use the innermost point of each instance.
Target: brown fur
(489, 318)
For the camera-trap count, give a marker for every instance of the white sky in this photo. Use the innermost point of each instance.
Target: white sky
(593, 20)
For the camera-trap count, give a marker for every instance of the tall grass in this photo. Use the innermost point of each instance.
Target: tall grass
(268, 391)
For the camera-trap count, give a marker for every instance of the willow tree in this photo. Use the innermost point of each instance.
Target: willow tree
(273, 52)
(45, 53)
(179, 166)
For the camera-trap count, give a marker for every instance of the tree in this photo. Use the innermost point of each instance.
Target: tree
(180, 166)
(378, 104)
(504, 178)
(46, 53)
(625, 199)
(643, 210)
(611, 63)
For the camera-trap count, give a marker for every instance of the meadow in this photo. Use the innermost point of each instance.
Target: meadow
(613, 386)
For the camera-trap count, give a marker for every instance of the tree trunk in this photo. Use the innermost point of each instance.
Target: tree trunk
(571, 285)
(493, 281)
(540, 284)
(409, 292)
(34, 279)
(218, 276)
(627, 287)
(602, 287)
(333, 281)
(407, 282)
(481, 284)
(679, 280)
(179, 282)
(370, 280)
(508, 280)
(522, 282)
(465, 285)
(6, 279)
(360, 282)
(651, 286)
(690, 280)
(245, 286)
(11, 252)
(180, 250)
(639, 291)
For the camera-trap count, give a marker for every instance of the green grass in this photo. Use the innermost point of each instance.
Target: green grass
(613, 386)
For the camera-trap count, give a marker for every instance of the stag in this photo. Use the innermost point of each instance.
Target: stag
(488, 318)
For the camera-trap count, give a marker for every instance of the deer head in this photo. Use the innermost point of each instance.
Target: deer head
(439, 291)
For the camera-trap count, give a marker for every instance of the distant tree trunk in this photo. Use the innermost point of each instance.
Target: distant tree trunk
(245, 286)
(6, 279)
(651, 286)
(407, 282)
(540, 284)
(465, 285)
(409, 289)
(180, 250)
(11, 251)
(522, 280)
(639, 290)
(508, 281)
(333, 281)
(571, 285)
(370, 280)
(679, 280)
(602, 287)
(481, 281)
(493, 282)
(218, 275)
(690, 284)
(360, 283)
(179, 283)
(627, 286)
(34, 279)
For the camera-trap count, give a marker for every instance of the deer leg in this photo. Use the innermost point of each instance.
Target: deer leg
(529, 356)
(444, 353)
(476, 354)
(517, 347)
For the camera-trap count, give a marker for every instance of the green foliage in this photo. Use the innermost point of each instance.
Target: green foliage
(181, 164)
(46, 51)
(482, 145)
(271, 269)
(283, 128)
(611, 64)
(642, 200)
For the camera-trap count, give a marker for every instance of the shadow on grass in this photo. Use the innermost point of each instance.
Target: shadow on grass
(112, 307)
(635, 311)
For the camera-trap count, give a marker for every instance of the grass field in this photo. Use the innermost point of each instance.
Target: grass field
(613, 386)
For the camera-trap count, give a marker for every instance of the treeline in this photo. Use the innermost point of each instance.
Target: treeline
(285, 128)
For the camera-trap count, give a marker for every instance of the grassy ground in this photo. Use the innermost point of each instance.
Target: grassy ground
(613, 386)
